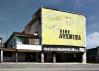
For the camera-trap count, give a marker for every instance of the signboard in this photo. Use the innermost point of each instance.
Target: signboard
(62, 28)
(63, 49)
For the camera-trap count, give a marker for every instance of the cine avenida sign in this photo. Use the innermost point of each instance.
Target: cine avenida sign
(62, 28)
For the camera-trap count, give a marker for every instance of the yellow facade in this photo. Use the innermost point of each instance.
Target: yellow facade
(62, 28)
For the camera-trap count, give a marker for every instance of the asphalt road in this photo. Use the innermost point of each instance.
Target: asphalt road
(48, 67)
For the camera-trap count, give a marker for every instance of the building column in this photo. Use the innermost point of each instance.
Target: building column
(1, 56)
(36, 57)
(84, 58)
(16, 56)
(42, 57)
(54, 57)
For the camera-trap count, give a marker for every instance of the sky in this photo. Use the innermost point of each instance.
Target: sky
(15, 14)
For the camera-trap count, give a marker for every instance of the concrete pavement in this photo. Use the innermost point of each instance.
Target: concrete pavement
(51, 69)
(48, 67)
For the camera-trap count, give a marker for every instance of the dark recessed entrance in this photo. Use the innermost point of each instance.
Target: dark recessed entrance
(32, 57)
(48, 57)
(68, 57)
(63, 57)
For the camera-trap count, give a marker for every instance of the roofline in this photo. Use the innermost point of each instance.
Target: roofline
(21, 34)
(91, 48)
(29, 23)
(52, 9)
(64, 11)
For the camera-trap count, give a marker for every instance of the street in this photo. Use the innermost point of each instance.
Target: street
(48, 67)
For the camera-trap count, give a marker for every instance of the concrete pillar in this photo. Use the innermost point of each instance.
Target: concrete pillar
(16, 56)
(54, 58)
(42, 57)
(1, 55)
(36, 57)
(84, 58)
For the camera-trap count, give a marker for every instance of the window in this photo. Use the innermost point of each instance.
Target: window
(14, 42)
(11, 44)
(23, 40)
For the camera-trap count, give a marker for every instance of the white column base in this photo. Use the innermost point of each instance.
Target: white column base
(1, 56)
(84, 57)
(54, 58)
(16, 55)
(42, 57)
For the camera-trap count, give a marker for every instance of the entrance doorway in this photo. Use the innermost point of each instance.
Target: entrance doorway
(68, 57)
(32, 57)
(48, 57)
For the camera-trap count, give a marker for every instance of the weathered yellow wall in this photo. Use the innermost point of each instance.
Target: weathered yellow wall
(53, 21)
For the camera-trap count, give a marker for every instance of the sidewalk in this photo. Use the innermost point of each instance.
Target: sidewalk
(13, 65)
(36, 63)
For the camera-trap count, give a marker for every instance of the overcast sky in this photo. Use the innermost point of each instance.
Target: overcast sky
(15, 14)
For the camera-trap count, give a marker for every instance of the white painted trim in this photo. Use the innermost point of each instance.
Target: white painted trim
(29, 47)
(85, 30)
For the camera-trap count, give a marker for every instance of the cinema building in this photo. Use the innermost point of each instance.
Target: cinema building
(51, 36)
